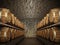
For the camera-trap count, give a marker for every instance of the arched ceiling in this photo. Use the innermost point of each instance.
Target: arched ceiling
(32, 9)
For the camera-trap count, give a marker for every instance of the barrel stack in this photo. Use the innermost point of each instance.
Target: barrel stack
(52, 33)
(7, 17)
(8, 33)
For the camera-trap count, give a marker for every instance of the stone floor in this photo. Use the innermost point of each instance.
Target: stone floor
(30, 41)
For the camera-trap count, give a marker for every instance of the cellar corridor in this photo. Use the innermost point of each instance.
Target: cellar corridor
(29, 22)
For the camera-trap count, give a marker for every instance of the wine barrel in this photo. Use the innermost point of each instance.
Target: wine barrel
(42, 33)
(4, 34)
(13, 19)
(41, 23)
(39, 33)
(54, 15)
(38, 25)
(16, 33)
(47, 19)
(44, 21)
(5, 16)
(12, 31)
(20, 24)
(47, 33)
(55, 34)
(16, 22)
(20, 33)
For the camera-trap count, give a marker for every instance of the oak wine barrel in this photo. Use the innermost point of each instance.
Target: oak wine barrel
(4, 34)
(54, 15)
(5, 16)
(55, 34)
